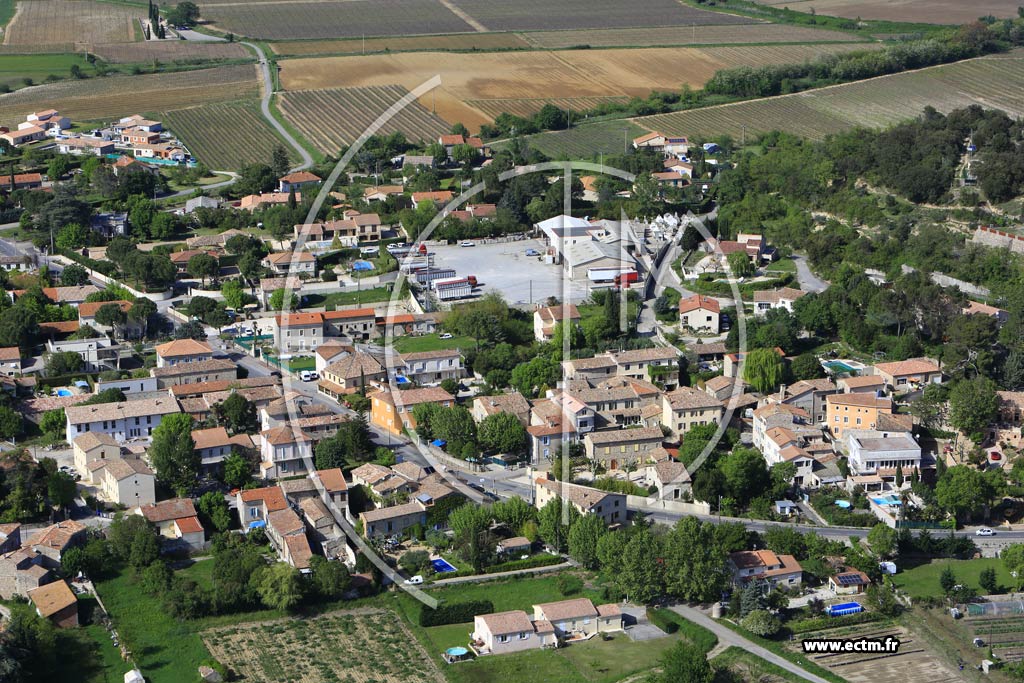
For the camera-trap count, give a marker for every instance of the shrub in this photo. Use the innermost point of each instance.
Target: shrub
(823, 622)
(761, 623)
(569, 584)
(670, 622)
(455, 613)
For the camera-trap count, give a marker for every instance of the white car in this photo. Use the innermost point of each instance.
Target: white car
(984, 531)
(414, 581)
(467, 243)
(446, 335)
(307, 375)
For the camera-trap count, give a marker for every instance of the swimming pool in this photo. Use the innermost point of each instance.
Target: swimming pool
(839, 367)
(442, 566)
(63, 392)
(886, 500)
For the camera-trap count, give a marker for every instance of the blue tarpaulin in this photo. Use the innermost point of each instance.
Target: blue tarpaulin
(362, 265)
(257, 524)
(440, 443)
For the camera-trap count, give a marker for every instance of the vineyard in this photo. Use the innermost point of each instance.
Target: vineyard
(924, 11)
(335, 117)
(168, 51)
(588, 141)
(535, 15)
(453, 41)
(527, 106)
(224, 136)
(687, 35)
(333, 18)
(38, 22)
(102, 98)
(874, 103)
(357, 647)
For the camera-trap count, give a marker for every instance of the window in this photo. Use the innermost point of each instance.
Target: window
(501, 639)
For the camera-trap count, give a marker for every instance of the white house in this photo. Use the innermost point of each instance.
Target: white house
(869, 451)
(284, 452)
(124, 420)
(182, 351)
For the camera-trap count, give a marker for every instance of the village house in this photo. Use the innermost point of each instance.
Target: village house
(53, 541)
(854, 411)
(196, 372)
(428, 367)
(23, 136)
(10, 360)
(333, 481)
(287, 533)
(298, 332)
(214, 446)
(125, 481)
(21, 570)
(977, 308)
(254, 505)
(299, 181)
(547, 434)
(175, 520)
(392, 410)
(21, 263)
(699, 312)
(861, 384)
(284, 451)
(394, 520)
(349, 374)
(622, 448)
(546, 318)
(57, 603)
(128, 329)
(255, 202)
(331, 351)
(871, 451)
(764, 565)
(909, 375)
(290, 262)
(380, 193)
(80, 146)
(124, 420)
(438, 197)
(669, 477)
(97, 353)
(358, 324)
(849, 582)
(513, 631)
(400, 324)
(767, 300)
(609, 506)
(512, 402)
(182, 351)
(686, 408)
(809, 395)
(578, 619)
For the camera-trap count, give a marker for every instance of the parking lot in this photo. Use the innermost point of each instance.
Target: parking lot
(505, 268)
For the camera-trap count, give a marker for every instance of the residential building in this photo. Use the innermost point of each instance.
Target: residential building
(126, 481)
(299, 181)
(330, 351)
(124, 420)
(622, 448)
(53, 541)
(284, 451)
(197, 372)
(175, 520)
(578, 619)
(57, 603)
(380, 193)
(291, 262)
(699, 312)
(255, 202)
(254, 505)
(573, 408)
(686, 408)
(392, 410)
(23, 136)
(872, 451)
(438, 197)
(854, 411)
(349, 374)
(861, 384)
(20, 263)
(669, 477)
(358, 324)
(609, 506)
(547, 435)
(809, 395)
(849, 582)
(110, 224)
(394, 520)
(767, 300)
(287, 533)
(794, 422)
(514, 631)
(298, 332)
(10, 360)
(214, 445)
(513, 403)
(182, 351)
(978, 308)
(764, 565)
(21, 570)
(399, 324)
(333, 481)
(129, 329)
(909, 375)
(546, 318)
(430, 367)
(79, 146)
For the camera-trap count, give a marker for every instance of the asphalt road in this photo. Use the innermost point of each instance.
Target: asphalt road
(809, 282)
(268, 92)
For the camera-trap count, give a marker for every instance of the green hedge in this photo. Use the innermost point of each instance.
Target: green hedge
(670, 622)
(824, 622)
(455, 613)
(705, 284)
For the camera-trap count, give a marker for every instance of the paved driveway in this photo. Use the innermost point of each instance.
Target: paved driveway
(634, 618)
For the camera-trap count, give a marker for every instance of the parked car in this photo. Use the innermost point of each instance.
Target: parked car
(532, 252)
(995, 455)
(467, 243)
(446, 335)
(984, 531)
(307, 375)
(414, 581)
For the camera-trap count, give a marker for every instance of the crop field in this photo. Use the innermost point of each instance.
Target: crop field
(588, 140)
(874, 103)
(39, 22)
(335, 117)
(168, 51)
(914, 655)
(687, 35)
(915, 11)
(355, 46)
(15, 68)
(1004, 634)
(568, 74)
(241, 135)
(101, 98)
(284, 20)
(528, 106)
(358, 647)
(534, 15)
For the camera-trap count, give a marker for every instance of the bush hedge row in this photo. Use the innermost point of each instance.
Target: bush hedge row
(823, 622)
(454, 613)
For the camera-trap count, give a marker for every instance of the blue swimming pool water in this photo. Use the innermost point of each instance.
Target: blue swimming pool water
(887, 500)
(839, 366)
(442, 566)
(63, 392)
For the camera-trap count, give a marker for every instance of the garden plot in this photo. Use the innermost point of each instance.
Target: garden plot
(356, 646)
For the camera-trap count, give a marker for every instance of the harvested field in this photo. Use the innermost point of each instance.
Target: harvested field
(38, 22)
(874, 103)
(527, 107)
(914, 11)
(355, 46)
(915, 660)
(357, 646)
(102, 98)
(168, 51)
(335, 117)
(239, 134)
(536, 15)
(284, 20)
(703, 35)
(568, 74)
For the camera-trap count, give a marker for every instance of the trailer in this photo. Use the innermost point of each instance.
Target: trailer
(428, 275)
(448, 289)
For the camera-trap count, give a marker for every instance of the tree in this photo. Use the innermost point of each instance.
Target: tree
(514, 513)
(746, 474)
(237, 470)
(947, 580)
(504, 433)
(414, 561)
(882, 540)
(640, 578)
(960, 491)
(330, 579)
(141, 312)
(237, 414)
(740, 264)
(1013, 560)
(60, 165)
(469, 524)
(763, 370)
(18, 327)
(214, 509)
(111, 315)
(74, 275)
(538, 373)
(806, 366)
(10, 423)
(279, 161)
(234, 294)
(53, 423)
(584, 536)
(203, 266)
(277, 300)
(881, 599)
(684, 663)
(762, 623)
(63, 363)
(279, 586)
(554, 521)
(988, 581)
(973, 406)
(72, 236)
(173, 453)
(61, 490)
(144, 551)
(694, 561)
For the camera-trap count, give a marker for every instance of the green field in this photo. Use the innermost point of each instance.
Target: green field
(15, 68)
(923, 580)
(588, 140)
(431, 342)
(363, 296)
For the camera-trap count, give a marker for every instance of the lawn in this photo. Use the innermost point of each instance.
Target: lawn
(201, 572)
(336, 299)
(786, 265)
(107, 666)
(430, 342)
(304, 363)
(923, 580)
(14, 68)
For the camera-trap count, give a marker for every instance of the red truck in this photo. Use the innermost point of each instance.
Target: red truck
(472, 280)
(627, 278)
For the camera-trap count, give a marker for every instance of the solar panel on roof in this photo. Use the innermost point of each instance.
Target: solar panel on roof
(848, 579)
